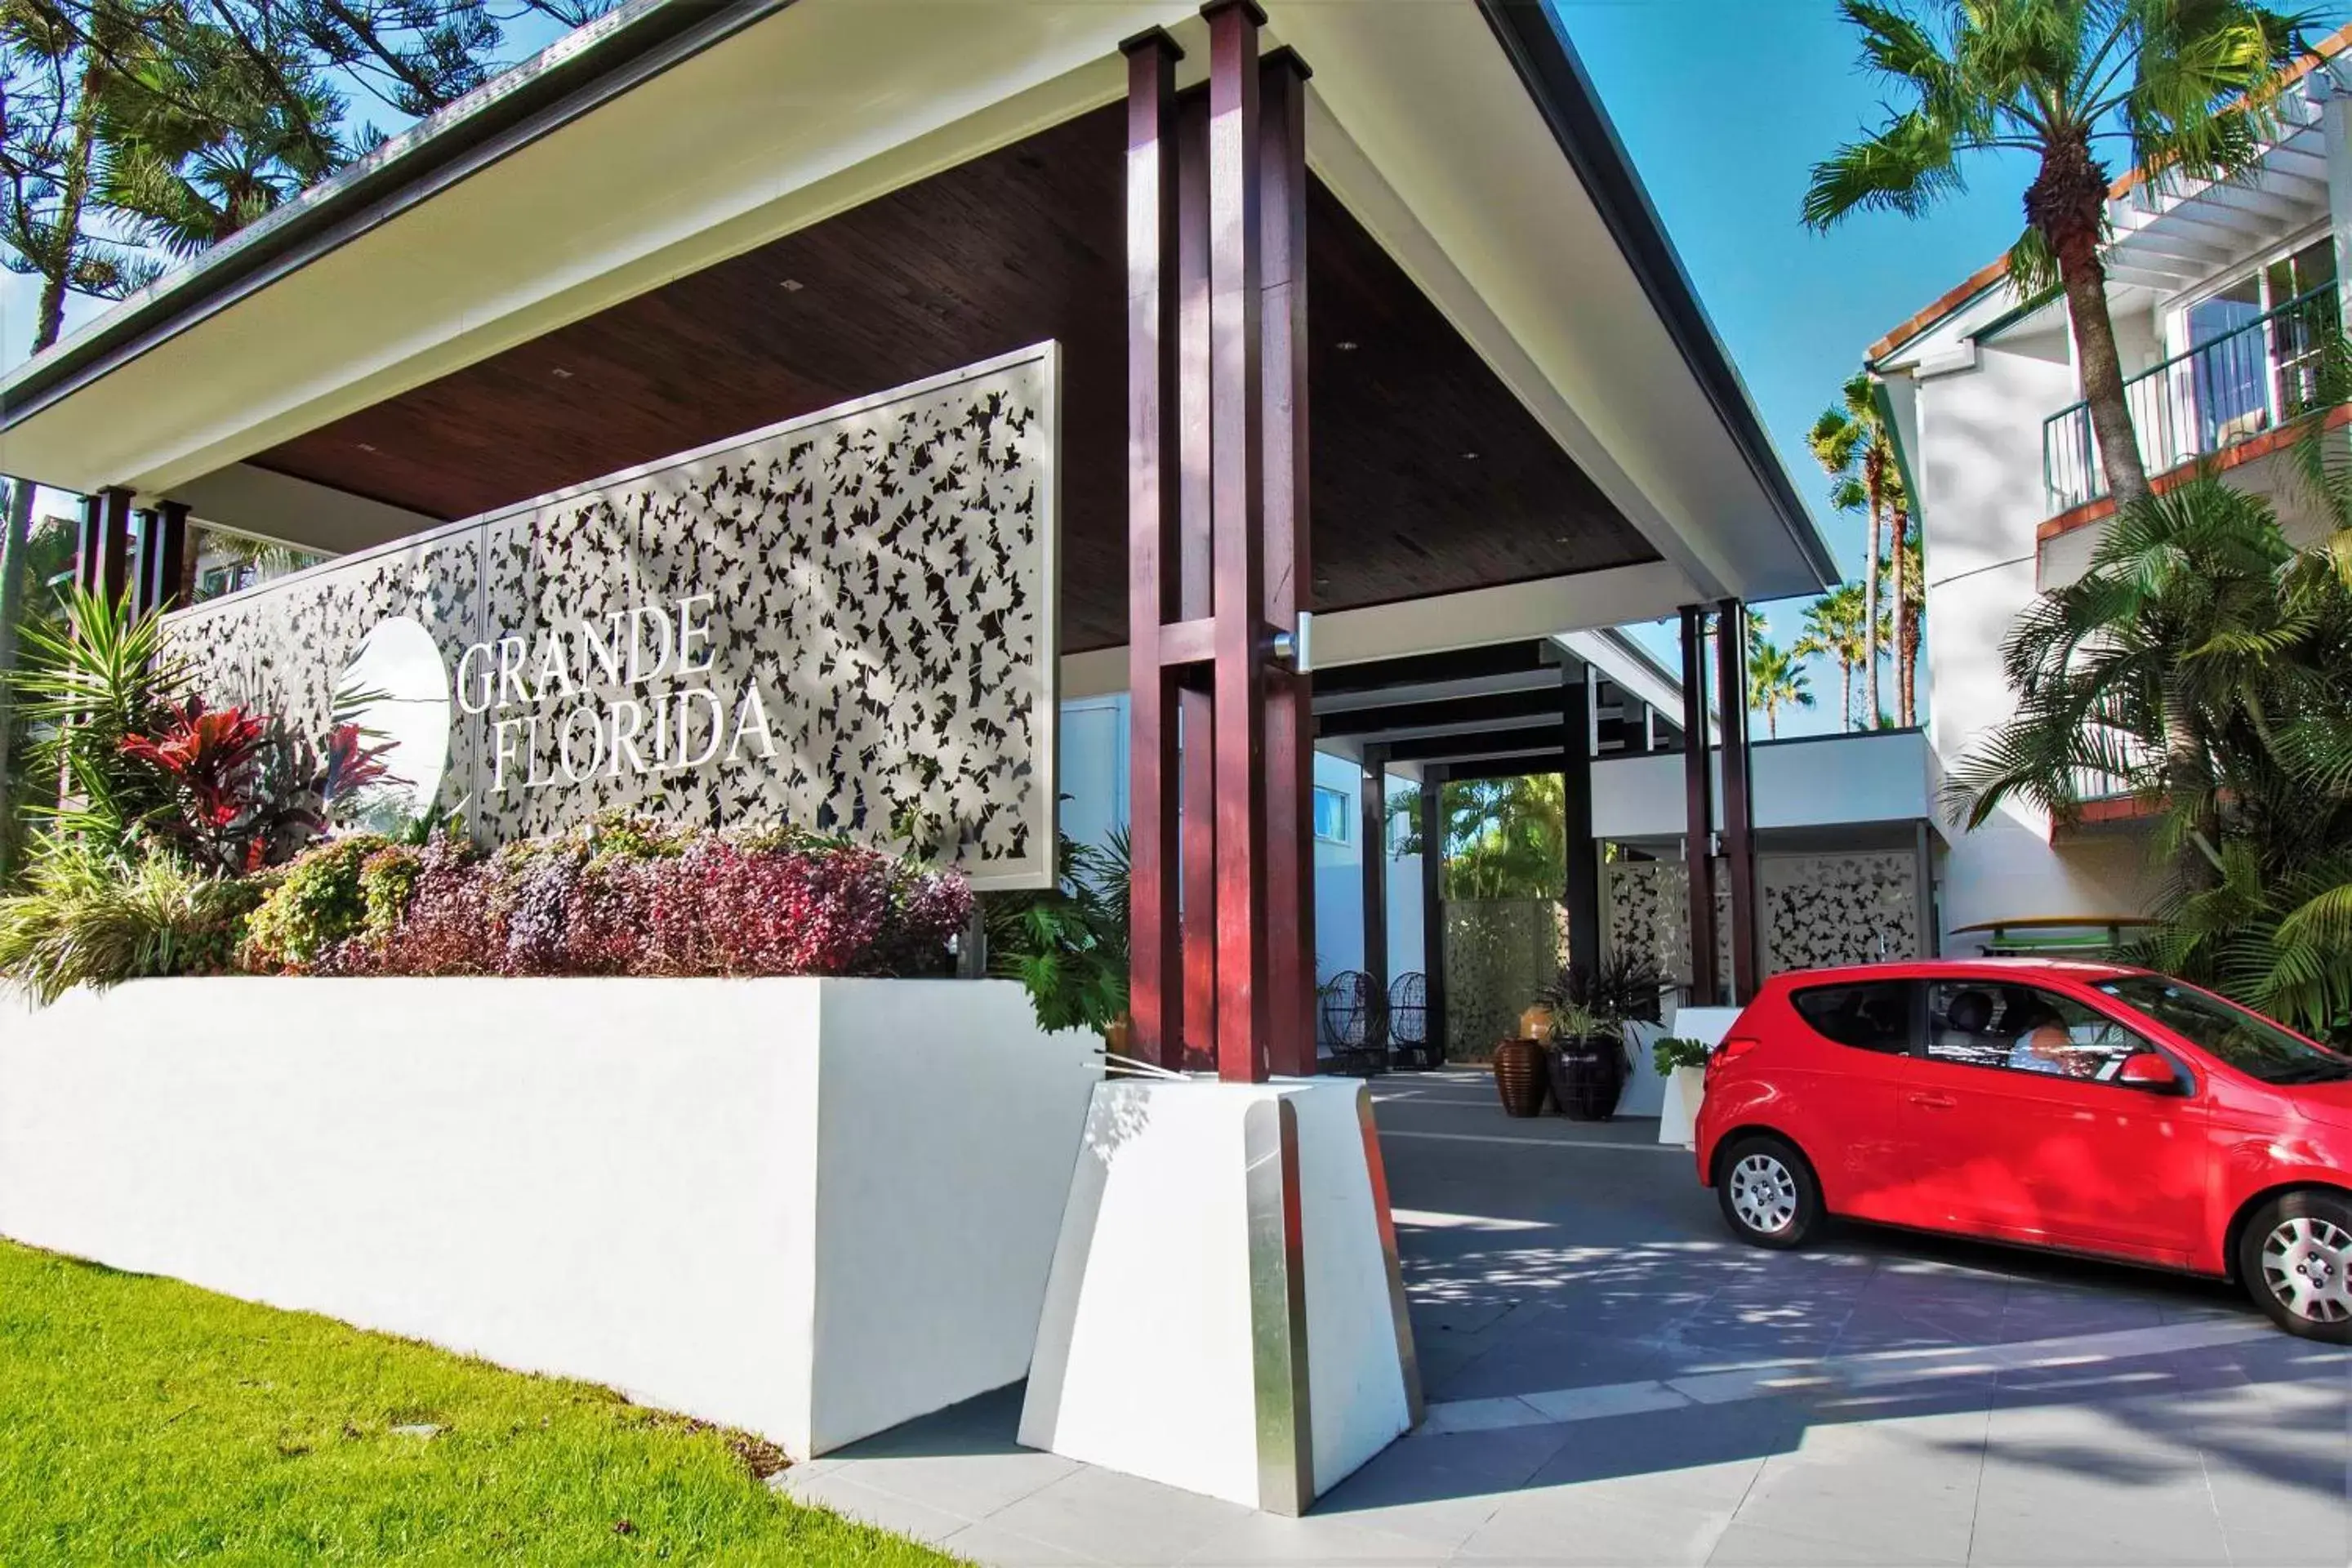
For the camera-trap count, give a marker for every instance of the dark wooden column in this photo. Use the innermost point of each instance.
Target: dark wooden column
(1153, 548)
(161, 555)
(1582, 884)
(1738, 800)
(1238, 634)
(1698, 810)
(102, 554)
(1289, 720)
(1373, 840)
(1432, 902)
(1196, 592)
(164, 569)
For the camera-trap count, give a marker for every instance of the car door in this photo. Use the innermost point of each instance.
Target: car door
(2012, 1127)
(1842, 1087)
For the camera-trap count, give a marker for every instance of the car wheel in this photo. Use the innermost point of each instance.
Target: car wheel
(2295, 1258)
(1768, 1192)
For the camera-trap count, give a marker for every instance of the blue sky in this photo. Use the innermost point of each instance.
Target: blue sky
(1724, 105)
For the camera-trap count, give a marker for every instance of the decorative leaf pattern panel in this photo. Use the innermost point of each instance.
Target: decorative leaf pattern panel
(845, 622)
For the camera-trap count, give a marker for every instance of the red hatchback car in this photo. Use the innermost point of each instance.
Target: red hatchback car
(2080, 1107)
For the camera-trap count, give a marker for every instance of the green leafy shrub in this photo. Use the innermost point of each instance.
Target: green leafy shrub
(91, 917)
(387, 881)
(319, 903)
(1067, 945)
(1676, 1051)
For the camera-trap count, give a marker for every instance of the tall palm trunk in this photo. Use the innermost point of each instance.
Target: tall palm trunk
(1873, 488)
(1845, 694)
(49, 322)
(1909, 596)
(2066, 205)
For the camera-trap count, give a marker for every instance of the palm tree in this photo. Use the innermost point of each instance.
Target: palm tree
(1776, 682)
(2184, 85)
(1853, 446)
(1833, 630)
(1505, 838)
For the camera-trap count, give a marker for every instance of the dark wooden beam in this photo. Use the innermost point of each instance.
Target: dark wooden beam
(1155, 950)
(1536, 702)
(1430, 669)
(1477, 772)
(1432, 902)
(1581, 883)
(1738, 799)
(1237, 505)
(1698, 810)
(1289, 696)
(1546, 739)
(1373, 840)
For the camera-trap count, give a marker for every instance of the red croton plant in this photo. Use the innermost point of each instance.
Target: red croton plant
(246, 792)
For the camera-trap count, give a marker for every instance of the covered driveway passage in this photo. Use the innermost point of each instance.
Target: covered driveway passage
(1612, 1381)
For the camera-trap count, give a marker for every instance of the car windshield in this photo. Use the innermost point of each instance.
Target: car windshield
(2245, 1040)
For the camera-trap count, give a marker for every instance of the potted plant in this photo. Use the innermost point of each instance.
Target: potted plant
(1519, 1077)
(1591, 1012)
(1682, 1062)
(1587, 1062)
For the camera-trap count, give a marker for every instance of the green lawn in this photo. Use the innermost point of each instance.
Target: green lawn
(143, 1420)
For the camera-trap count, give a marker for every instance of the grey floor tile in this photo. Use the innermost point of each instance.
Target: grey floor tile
(1745, 1546)
(1315, 1540)
(1696, 1457)
(1118, 1518)
(884, 1510)
(994, 1547)
(1568, 1527)
(973, 1486)
(1441, 1489)
(2096, 1529)
(1887, 1500)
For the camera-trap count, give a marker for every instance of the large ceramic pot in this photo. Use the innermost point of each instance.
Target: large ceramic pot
(1587, 1077)
(1519, 1077)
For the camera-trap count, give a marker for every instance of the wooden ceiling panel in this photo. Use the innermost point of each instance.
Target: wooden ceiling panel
(1427, 476)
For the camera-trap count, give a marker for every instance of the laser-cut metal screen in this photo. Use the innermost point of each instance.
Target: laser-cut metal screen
(845, 622)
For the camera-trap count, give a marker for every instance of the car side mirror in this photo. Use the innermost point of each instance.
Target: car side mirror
(2150, 1071)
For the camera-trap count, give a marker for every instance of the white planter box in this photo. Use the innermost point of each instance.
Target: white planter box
(813, 1208)
(1678, 1116)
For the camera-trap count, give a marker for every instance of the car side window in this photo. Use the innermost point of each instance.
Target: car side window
(1872, 1015)
(2023, 1028)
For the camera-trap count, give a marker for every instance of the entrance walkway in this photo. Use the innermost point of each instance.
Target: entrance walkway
(1612, 1381)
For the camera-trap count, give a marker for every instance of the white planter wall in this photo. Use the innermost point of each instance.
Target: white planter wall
(814, 1208)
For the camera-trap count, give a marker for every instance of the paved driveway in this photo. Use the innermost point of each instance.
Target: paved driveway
(1611, 1380)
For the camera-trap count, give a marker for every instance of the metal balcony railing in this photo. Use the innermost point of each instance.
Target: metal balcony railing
(2251, 378)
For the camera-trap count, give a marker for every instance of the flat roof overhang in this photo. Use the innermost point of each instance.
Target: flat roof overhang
(588, 267)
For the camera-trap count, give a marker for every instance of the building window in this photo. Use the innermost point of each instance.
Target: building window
(1332, 816)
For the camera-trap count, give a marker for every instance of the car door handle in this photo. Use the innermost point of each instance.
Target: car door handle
(1935, 1101)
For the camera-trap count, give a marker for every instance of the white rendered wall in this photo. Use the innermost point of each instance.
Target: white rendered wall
(1977, 461)
(813, 1208)
(1828, 781)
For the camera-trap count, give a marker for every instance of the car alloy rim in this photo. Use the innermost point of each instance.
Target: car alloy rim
(1763, 1194)
(2307, 1264)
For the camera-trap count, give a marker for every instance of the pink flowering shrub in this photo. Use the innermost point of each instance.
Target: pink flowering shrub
(628, 897)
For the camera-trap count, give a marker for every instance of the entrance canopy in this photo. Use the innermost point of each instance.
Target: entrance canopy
(688, 221)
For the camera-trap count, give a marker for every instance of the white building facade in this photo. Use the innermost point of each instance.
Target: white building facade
(2222, 294)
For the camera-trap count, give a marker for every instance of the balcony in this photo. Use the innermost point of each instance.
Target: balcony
(2227, 390)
